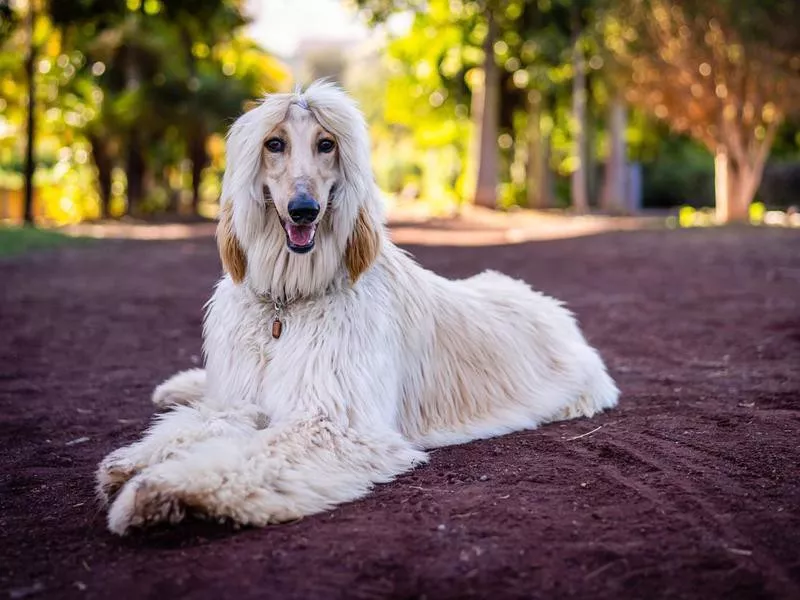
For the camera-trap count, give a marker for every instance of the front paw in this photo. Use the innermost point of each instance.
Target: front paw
(182, 389)
(141, 503)
(114, 471)
(166, 397)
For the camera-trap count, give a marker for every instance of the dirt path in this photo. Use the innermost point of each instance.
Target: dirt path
(690, 489)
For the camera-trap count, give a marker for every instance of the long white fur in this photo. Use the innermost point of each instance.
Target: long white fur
(365, 376)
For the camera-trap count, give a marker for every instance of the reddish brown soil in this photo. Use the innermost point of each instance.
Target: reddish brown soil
(689, 489)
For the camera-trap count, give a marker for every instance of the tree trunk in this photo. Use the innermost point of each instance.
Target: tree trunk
(590, 160)
(580, 195)
(134, 161)
(614, 198)
(486, 185)
(104, 164)
(539, 190)
(738, 169)
(30, 72)
(737, 176)
(731, 185)
(199, 160)
(134, 172)
(196, 144)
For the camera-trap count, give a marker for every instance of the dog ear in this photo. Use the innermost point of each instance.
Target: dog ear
(233, 259)
(362, 247)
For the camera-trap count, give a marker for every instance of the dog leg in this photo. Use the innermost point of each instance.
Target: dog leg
(182, 389)
(275, 475)
(171, 433)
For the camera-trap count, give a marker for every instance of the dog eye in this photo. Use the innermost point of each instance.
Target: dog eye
(275, 145)
(325, 146)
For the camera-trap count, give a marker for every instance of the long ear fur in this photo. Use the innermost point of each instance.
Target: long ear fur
(233, 259)
(362, 247)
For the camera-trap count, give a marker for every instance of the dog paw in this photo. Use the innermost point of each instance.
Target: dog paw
(114, 471)
(165, 397)
(183, 389)
(141, 503)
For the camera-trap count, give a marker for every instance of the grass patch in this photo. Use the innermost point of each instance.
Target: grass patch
(19, 240)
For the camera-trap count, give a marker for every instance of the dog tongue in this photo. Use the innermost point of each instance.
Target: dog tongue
(300, 235)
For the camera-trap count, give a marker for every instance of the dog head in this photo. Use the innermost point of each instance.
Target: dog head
(299, 202)
(300, 172)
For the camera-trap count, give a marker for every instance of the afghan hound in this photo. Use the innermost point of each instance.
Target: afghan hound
(332, 359)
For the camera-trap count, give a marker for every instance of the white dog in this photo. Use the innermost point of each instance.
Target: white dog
(333, 359)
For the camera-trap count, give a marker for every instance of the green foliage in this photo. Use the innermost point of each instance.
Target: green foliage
(129, 92)
(421, 95)
(133, 97)
(433, 69)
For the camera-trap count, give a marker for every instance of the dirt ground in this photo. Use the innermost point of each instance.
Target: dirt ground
(690, 489)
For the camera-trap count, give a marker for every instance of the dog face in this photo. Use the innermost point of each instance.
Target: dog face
(300, 169)
(299, 204)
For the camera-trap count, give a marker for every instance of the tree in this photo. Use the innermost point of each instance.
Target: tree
(467, 67)
(539, 191)
(486, 110)
(169, 73)
(542, 50)
(30, 129)
(614, 195)
(580, 185)
(519, 59)
(201, 23)
(726, 72)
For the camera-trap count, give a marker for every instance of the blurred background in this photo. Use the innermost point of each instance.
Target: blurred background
(117, 109)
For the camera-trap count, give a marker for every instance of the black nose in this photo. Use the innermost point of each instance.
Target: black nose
(303, 209)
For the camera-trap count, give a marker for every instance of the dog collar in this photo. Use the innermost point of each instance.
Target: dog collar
(278, 307)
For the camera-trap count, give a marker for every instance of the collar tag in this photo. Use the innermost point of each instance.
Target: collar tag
(277, 324)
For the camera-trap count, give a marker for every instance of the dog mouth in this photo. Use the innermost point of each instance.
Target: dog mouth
(300, 238)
